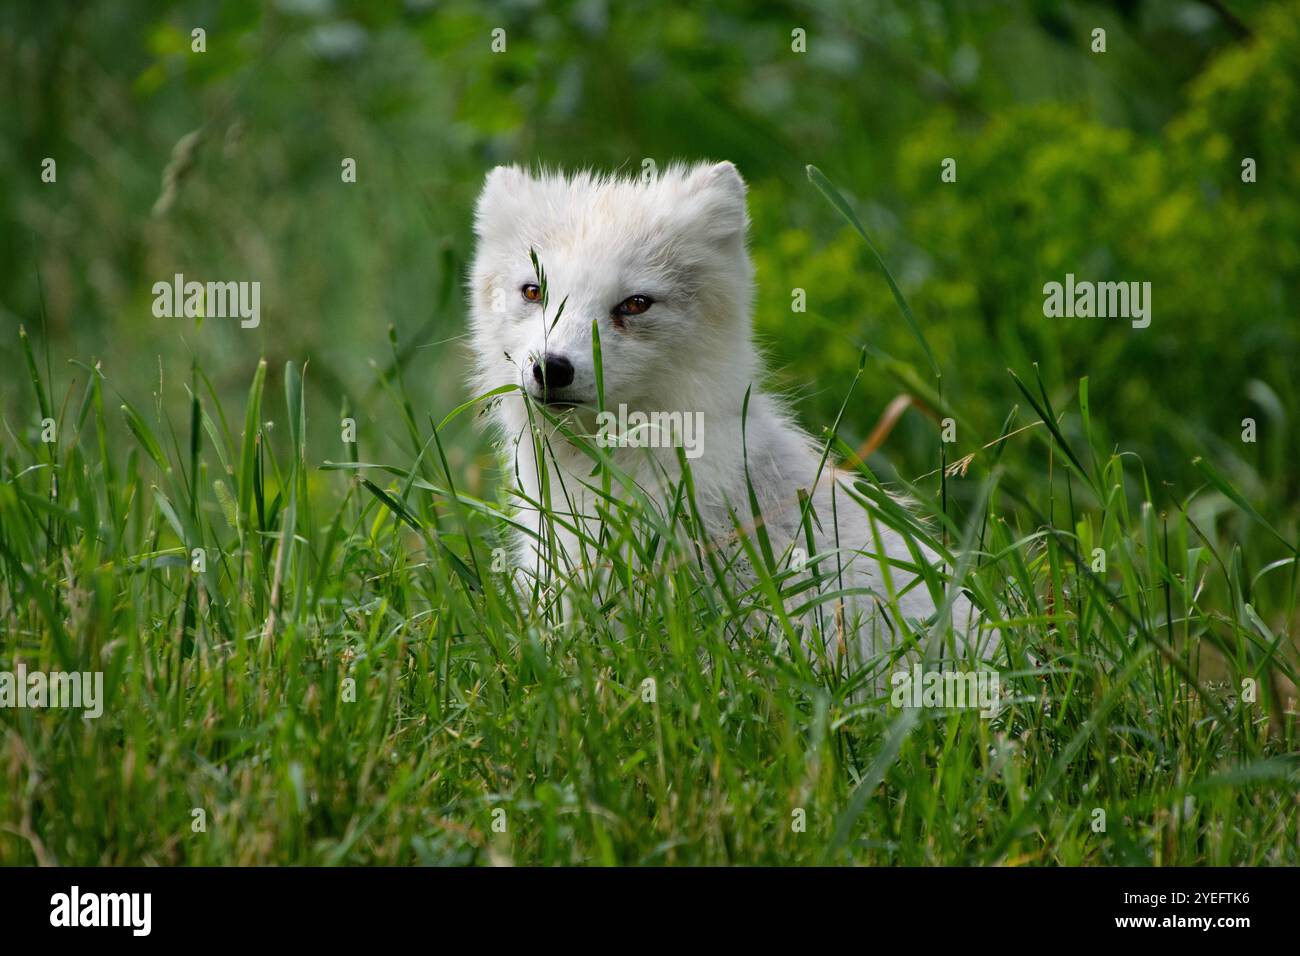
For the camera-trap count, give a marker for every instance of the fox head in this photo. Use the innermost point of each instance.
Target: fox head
(660, 267)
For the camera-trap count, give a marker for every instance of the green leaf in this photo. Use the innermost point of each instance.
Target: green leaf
(832, 194)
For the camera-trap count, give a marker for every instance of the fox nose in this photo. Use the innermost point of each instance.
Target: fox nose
(553, 371)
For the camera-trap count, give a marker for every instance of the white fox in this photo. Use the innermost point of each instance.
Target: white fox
(661, 267)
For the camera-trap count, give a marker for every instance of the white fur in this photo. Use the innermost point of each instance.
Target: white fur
(680, 239)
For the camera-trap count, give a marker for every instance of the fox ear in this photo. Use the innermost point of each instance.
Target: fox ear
(717, 195)
(502, 190)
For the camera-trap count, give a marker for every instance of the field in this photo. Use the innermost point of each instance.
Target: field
(282, 545)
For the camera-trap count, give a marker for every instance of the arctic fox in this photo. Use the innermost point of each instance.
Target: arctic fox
(661, 267)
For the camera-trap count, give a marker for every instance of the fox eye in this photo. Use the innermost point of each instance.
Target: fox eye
(532, 292)
(634, 305)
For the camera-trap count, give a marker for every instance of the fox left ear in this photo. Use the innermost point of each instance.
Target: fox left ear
(501, 189)
(720, 193)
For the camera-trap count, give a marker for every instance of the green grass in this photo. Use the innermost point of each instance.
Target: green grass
(351, 678)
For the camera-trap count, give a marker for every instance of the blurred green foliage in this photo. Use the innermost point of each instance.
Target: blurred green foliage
(1124, 165)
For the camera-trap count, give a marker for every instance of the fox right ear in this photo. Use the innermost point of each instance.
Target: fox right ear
(501, 191)
(716, 198)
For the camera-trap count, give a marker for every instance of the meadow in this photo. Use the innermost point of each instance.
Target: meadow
(282, 545)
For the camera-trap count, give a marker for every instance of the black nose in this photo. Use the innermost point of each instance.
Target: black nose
(553, 371)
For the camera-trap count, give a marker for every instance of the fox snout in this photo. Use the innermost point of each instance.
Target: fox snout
(549, 378)
(552, 371)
